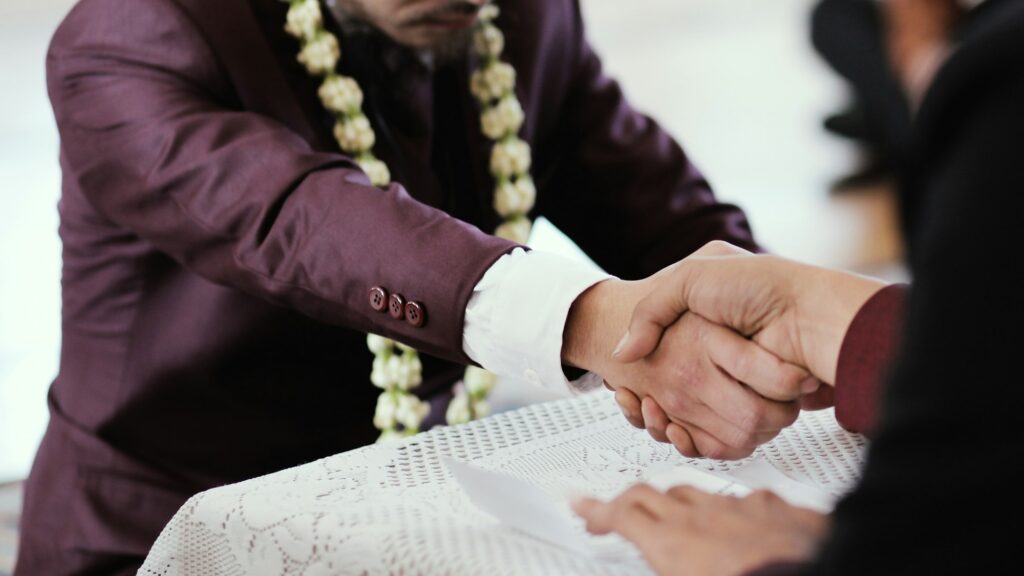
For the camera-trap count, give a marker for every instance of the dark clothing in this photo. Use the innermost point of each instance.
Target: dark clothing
(850, 36)
(219, 250)
(940, 492)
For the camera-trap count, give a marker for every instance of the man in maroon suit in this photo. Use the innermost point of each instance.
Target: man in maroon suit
(223, 261)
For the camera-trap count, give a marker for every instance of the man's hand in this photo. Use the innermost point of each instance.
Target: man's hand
(723, 393)
(702, 375)
(799, 313)
(686, 531)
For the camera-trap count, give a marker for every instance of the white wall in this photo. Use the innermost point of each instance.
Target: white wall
(29, 248)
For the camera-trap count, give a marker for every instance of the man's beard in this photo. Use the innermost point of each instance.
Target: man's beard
(453, 48)
(448, 49)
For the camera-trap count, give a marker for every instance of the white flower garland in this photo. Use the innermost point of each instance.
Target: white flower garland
(396, 367)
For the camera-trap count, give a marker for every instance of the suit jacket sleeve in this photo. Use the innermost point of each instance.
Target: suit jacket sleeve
(869, 347)
(150, 135)
(625, 190)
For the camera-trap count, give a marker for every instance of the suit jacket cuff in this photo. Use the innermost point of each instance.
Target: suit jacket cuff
(868, 349)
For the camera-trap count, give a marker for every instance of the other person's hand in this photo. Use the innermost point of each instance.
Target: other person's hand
(722, 391)
(687, 531)
(798, 312)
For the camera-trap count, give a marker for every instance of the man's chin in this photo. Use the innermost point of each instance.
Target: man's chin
(452, 46)
(446, 45)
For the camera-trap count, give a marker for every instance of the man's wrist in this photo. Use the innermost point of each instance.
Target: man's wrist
(826, 305)
(598, 318)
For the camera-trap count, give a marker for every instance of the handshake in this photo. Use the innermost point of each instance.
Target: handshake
(719, 352)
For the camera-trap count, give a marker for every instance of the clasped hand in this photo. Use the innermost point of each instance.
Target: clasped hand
(710, 362)
(721, 352)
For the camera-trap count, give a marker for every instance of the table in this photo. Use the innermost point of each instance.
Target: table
(395, 509)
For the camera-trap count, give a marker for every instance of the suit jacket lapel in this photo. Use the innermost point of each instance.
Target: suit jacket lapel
(259, 58)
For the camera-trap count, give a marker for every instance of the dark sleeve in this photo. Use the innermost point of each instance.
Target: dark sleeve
(942, 477)
(868, 350)
(151, 139)
(625, 190)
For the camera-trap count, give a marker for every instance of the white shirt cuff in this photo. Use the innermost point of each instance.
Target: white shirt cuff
(516, 316)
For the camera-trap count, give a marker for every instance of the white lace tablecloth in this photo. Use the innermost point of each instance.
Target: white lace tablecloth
(395, 508)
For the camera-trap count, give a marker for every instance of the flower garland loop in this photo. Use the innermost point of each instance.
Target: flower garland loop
(397, 369)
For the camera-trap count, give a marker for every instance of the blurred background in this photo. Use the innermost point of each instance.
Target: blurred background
(736, 81)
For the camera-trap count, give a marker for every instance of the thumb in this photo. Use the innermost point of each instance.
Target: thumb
(651, 317)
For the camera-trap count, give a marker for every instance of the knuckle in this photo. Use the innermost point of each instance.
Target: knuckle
(635, 493)
(762, 497)
(657, 434)
(674, 401)
(681, 492)
(791, 378)
(739, 439)
(719, 247)
(753, 416)
(688, 370)
(714, 450)
(688, 450)
(627, 400)
(677, 491)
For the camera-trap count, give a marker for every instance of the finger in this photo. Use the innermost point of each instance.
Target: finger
(656, 312)
(596, 514)
(709, 446)
(665, 304)
(646, 498)
(607, 385)
(720, 248)
(587, 508)
(685, 493)
(640, 502)
(655, 419)
(681, 439)
(626, 518)
(630, 406)
(761, 370)
(738, 414)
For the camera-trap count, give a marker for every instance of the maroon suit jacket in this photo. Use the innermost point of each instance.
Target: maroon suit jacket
(219, 250)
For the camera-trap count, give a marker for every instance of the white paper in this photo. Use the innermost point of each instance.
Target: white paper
(547, 237)
(697, 478)
(524, 506)
(519, 504)
(759, 474)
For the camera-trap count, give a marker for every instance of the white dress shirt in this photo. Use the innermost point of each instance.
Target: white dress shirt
(516, 316)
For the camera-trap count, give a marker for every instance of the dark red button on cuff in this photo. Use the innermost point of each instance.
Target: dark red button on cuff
(396, 306)
(378, 298)
(415, 314)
